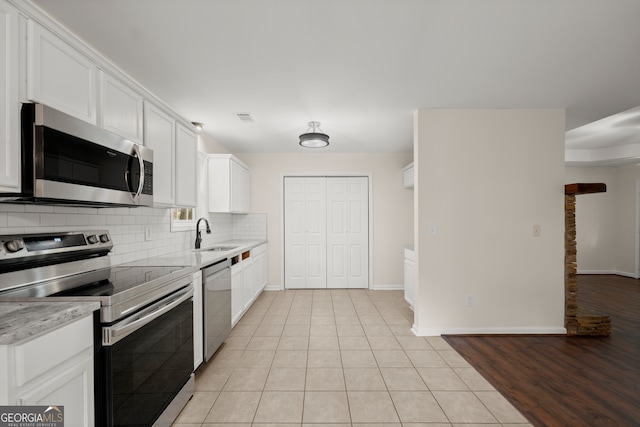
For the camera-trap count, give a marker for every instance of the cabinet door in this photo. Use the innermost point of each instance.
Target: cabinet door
(71, 388)
(198, 334)
(237, 284)
(305, 264)
(408, 280)
(59, 75)
(260, 269)
(9, 101)
(247, 282)
(240, 192)
(159, 135)
(347, 232)
(57, 369)
(407, 176)
(229, 182)
(186, 171)
(120, 108)
(219, 184)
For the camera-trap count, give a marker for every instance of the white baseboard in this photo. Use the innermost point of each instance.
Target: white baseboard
(544, 330)
(627, 274)
(387, 287)
(269, 287)
(596, 272)
(616, 272)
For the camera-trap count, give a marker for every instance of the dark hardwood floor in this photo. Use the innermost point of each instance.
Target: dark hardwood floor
(570, 381)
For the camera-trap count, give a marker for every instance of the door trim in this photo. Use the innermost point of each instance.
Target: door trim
(637, 245)
(369, 177)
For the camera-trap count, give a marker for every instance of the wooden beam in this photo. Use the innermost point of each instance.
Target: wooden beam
(581, 188)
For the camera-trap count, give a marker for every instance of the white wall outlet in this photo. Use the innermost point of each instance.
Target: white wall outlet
(536, 230)
(433, 230)
(148, 234)
(470, 300)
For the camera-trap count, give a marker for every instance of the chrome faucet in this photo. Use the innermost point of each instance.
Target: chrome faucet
(198, 236)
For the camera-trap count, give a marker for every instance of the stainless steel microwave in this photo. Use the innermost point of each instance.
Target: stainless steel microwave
(68, 161)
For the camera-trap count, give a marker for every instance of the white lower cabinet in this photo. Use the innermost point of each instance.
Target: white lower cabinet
(53, 369)
(409, 285)
(259, 254)
(237, 285)
(248, 280)
(198, 330)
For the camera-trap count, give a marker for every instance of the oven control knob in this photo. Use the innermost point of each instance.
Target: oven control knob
(104, 238)
(92, 238)
(13, 246)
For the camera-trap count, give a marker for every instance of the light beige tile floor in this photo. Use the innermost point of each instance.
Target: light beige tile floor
(342, 357)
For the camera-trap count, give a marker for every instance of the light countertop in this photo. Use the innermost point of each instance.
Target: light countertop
(24, 321)
(198, 259)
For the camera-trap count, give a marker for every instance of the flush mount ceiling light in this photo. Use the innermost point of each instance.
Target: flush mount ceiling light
(312, 138)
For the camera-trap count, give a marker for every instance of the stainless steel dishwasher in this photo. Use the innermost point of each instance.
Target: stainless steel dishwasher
(216, 301)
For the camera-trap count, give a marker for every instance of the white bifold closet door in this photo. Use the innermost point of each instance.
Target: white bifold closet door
(305, 223)
(326, 223)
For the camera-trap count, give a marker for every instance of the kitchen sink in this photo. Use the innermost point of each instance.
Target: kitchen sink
(216, 249)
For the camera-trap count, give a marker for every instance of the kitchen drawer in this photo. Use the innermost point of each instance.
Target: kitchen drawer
(258, 250)
(38, 356)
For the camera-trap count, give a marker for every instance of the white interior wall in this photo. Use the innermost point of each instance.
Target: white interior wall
(606, 222)
(392, 204)
(625, 221)
(484, 178)
(595, 220)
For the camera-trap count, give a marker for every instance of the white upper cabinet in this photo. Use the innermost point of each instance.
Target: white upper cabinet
(9, 101)
(159, 135)
(119, 108)
(229, 184)
(59, 75)
(186, 170)
(41, 61)
(407, 176)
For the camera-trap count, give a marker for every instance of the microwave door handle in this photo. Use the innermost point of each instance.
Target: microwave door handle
(136, 151)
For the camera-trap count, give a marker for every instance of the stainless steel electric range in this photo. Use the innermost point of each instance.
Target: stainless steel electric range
(143, 332)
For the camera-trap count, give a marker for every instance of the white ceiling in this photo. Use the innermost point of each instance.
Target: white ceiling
(361, 67)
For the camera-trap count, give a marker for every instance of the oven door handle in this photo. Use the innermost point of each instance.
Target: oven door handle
(114, 333)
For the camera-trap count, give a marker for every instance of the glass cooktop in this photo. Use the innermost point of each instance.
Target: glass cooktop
(120, 279)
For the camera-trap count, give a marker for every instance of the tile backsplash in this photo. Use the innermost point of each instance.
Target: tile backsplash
(127, 227)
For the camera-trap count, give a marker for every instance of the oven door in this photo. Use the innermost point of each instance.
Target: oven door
(146, 359)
